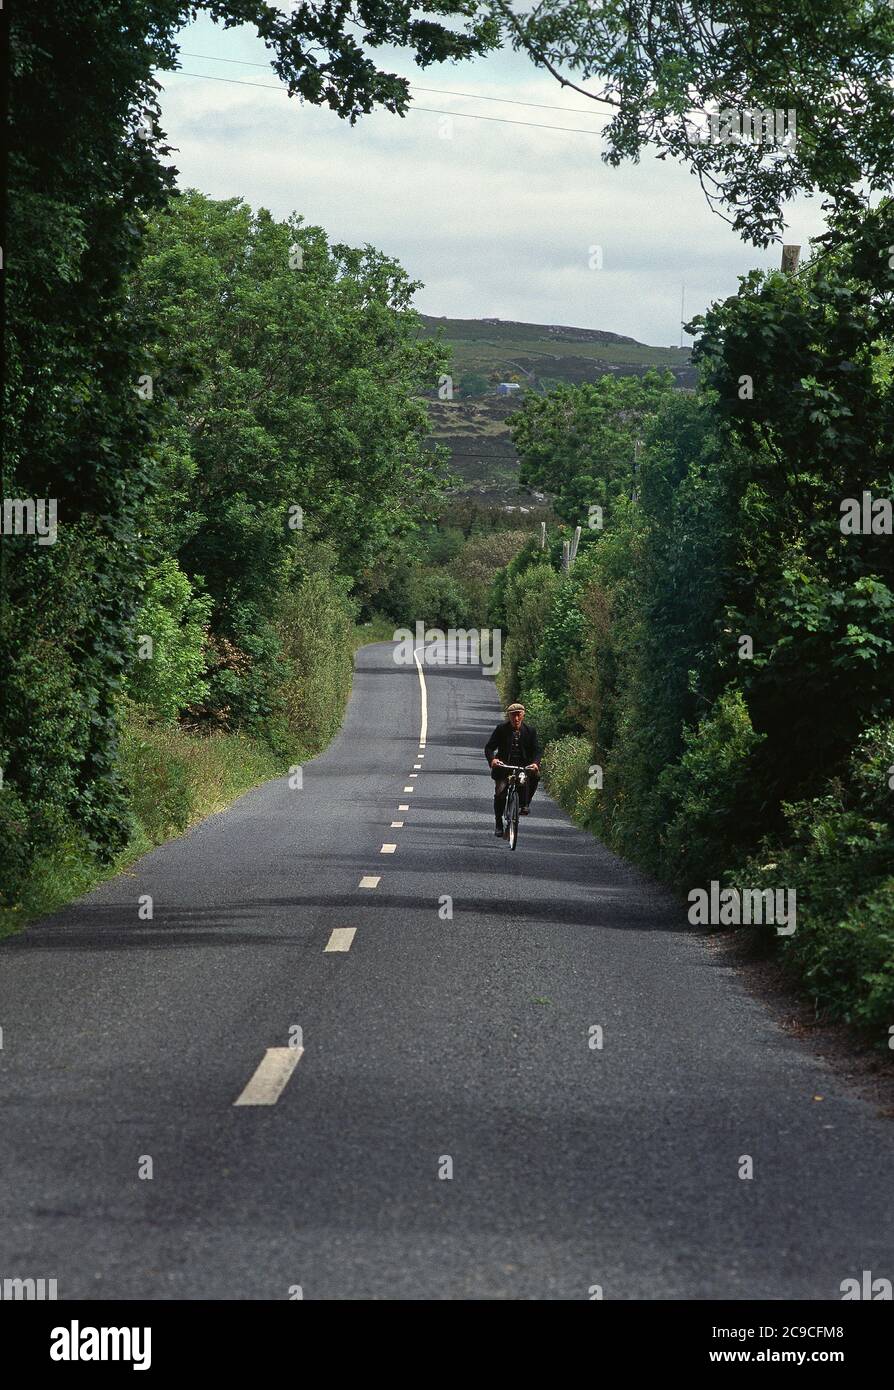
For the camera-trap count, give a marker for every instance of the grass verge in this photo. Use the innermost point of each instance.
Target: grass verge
(176, 779)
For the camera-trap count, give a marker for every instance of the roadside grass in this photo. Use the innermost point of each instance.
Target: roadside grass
(378, 629)
(176, 780)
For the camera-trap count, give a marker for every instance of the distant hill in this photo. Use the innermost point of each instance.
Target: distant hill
(541, 354)
(474, 425)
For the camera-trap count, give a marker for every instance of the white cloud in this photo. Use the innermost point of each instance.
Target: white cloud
(498, 220)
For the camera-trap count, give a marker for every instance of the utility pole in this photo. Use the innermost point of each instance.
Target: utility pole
(682, 309)
(790, 258)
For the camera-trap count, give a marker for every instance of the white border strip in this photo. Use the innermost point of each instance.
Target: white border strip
(423, 700)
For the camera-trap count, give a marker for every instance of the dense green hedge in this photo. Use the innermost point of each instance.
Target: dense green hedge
(287, 464)
(722, 650)
(175, 775)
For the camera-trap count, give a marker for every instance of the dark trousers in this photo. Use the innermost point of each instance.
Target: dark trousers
(501, 786)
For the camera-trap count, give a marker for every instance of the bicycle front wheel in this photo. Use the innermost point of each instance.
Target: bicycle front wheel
(512, 815)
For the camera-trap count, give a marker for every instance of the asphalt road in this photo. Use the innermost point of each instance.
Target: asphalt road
(433, 1041)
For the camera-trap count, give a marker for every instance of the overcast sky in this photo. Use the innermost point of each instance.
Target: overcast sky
(495, 219)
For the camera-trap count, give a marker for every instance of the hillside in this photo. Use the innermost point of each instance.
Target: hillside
(474, 425)
(541, 354)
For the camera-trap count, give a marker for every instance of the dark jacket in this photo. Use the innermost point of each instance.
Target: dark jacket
(497, 745)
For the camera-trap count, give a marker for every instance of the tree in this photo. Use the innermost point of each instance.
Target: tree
(580, 443)
(737, 638)
(289, 373)
(658, 64)
(86, 174)
(801, 368)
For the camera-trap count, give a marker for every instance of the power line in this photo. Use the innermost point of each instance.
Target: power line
(435, 91)
(430, 110)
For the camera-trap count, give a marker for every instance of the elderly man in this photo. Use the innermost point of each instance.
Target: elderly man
(514, 743)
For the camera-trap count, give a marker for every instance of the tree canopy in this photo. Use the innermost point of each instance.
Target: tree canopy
(580, 443)
(286, 374)
(657, 66)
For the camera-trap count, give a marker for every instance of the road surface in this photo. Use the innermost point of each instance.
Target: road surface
(435, 1044)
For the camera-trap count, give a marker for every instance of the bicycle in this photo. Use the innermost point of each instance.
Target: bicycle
(517, 778)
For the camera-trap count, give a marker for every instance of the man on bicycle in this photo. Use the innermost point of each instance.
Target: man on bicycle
(514, 743)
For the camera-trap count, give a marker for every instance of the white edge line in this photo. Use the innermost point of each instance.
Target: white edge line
(423, 699)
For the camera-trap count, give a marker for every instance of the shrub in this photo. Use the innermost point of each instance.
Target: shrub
(839, 858)
(14, 844)
(528, 601)
(176, 619)
(438, 601)
(316, 631)
(476, 565)
(566, 770)
(560, 642)
(543, 713)
(708, 791)
(161, 795)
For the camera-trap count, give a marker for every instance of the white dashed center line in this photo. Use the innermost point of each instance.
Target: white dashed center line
(397, 825)
(341, 939)
(369, 881)
(388, 849)
(268, 1082)
(405, 806)
(407, 789)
